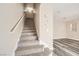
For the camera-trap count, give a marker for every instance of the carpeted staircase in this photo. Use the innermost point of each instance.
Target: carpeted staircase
(29, 44)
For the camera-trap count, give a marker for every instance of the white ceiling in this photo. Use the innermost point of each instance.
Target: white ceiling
(66, 11)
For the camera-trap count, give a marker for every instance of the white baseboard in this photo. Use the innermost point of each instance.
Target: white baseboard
(74, 39)
(45, 45)
(59, 38)
(42, 43)
(16, 45)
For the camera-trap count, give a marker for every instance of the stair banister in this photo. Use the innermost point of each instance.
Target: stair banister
(12, 29)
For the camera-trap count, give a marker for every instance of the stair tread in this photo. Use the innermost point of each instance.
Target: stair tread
(28, 27)
(27, 52)
(28, 34)
(42, 53)
(29, 47)
(28, 41)
(29, 38)
(28, 30)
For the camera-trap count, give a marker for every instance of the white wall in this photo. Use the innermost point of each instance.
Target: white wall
(59, 29)
(72, 34)
(36, 18)
(65, 14)
(9, 15)
(46, 24)
(62, 29)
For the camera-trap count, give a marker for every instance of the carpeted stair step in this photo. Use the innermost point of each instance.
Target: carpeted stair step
(32, 28)
(29, 37)
(25, 43)
(29, 50)
(29, 34)
(46, 52)
(27, 31)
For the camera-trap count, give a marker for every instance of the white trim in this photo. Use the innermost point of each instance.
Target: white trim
(42, 43)
(59, 38)
(46, 46)
(74, 39)
(18, 39)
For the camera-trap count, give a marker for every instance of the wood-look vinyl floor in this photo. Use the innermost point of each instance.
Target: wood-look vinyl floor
(65, 47)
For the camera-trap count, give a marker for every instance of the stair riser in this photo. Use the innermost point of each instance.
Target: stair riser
(30, 34)
(27, 31)
(28, 27)
(29, 24)
(29, 38)
(27, 44)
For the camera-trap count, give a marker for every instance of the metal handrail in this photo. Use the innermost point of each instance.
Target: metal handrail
(12, 29)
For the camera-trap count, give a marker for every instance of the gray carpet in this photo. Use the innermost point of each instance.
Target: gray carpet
(29, 44)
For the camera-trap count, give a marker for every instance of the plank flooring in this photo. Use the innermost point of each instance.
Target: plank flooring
(65, 47)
